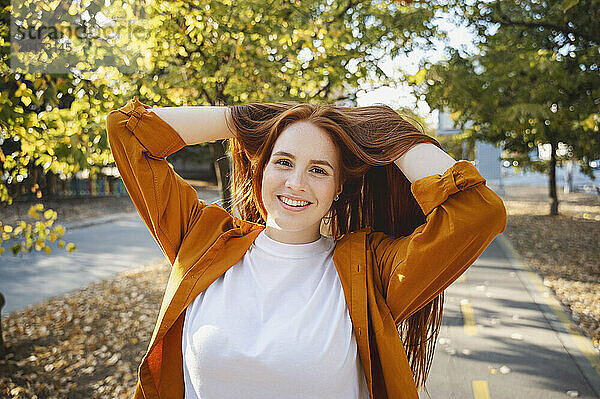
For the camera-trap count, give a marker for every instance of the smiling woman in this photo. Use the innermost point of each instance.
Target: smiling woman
(362, 142)
(369, 148)
(265, 306)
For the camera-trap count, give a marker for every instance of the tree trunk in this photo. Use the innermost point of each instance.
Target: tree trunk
(465, 150)
(221, 161)
(553, 195)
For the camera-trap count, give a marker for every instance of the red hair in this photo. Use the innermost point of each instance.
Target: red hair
(375, 192)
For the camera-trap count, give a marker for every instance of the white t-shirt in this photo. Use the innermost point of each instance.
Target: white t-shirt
(275, 325)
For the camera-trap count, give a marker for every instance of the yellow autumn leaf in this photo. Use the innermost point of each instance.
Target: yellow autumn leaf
(419, 77)
(589, 122)
(73, 9)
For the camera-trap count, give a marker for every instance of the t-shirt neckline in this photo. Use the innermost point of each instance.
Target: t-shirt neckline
(280, 249)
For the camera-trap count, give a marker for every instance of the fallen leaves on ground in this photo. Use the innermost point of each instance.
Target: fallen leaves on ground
(87, 344)
(565, 251)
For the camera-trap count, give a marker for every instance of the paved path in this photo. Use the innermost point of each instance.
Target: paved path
(505, 336)
(104, 249)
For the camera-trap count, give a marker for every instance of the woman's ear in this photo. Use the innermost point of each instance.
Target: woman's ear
(340, 188)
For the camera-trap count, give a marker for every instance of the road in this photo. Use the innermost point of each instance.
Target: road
(504, 336)
(103, 251)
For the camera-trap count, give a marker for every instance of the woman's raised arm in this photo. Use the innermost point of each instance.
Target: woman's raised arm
(197, 125)
(424, 160)
(463, 218)
(140, 142)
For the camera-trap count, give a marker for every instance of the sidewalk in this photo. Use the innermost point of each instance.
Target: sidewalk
(505, 336)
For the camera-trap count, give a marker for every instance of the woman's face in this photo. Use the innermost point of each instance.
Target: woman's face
(304, 165)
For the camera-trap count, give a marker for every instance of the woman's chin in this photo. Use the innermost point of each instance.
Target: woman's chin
(293, 223)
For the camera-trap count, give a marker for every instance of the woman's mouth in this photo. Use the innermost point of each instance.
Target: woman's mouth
(293, 205)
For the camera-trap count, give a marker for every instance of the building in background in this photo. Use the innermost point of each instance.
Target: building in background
(487, 155)
(499, 173)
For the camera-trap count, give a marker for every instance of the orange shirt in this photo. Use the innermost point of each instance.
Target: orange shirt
(384, 279)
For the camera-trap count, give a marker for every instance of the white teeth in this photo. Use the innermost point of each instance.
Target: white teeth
(293, 202)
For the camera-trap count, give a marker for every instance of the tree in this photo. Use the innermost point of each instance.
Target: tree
(519, 90)
(28, 135)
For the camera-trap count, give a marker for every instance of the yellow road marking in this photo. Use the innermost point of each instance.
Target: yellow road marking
(469, 317)
(481, 390)
(582, 342)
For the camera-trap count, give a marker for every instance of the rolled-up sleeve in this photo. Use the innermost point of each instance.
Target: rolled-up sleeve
(463, 216)
(140, 141)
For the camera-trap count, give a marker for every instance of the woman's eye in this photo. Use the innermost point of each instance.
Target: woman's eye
(319, 170)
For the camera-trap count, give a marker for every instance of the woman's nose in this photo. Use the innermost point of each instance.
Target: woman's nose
(295, 180)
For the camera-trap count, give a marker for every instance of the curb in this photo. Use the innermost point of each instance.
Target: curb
(577, 345)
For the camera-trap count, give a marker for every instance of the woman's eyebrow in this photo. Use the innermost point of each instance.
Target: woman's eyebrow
(315, 161)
